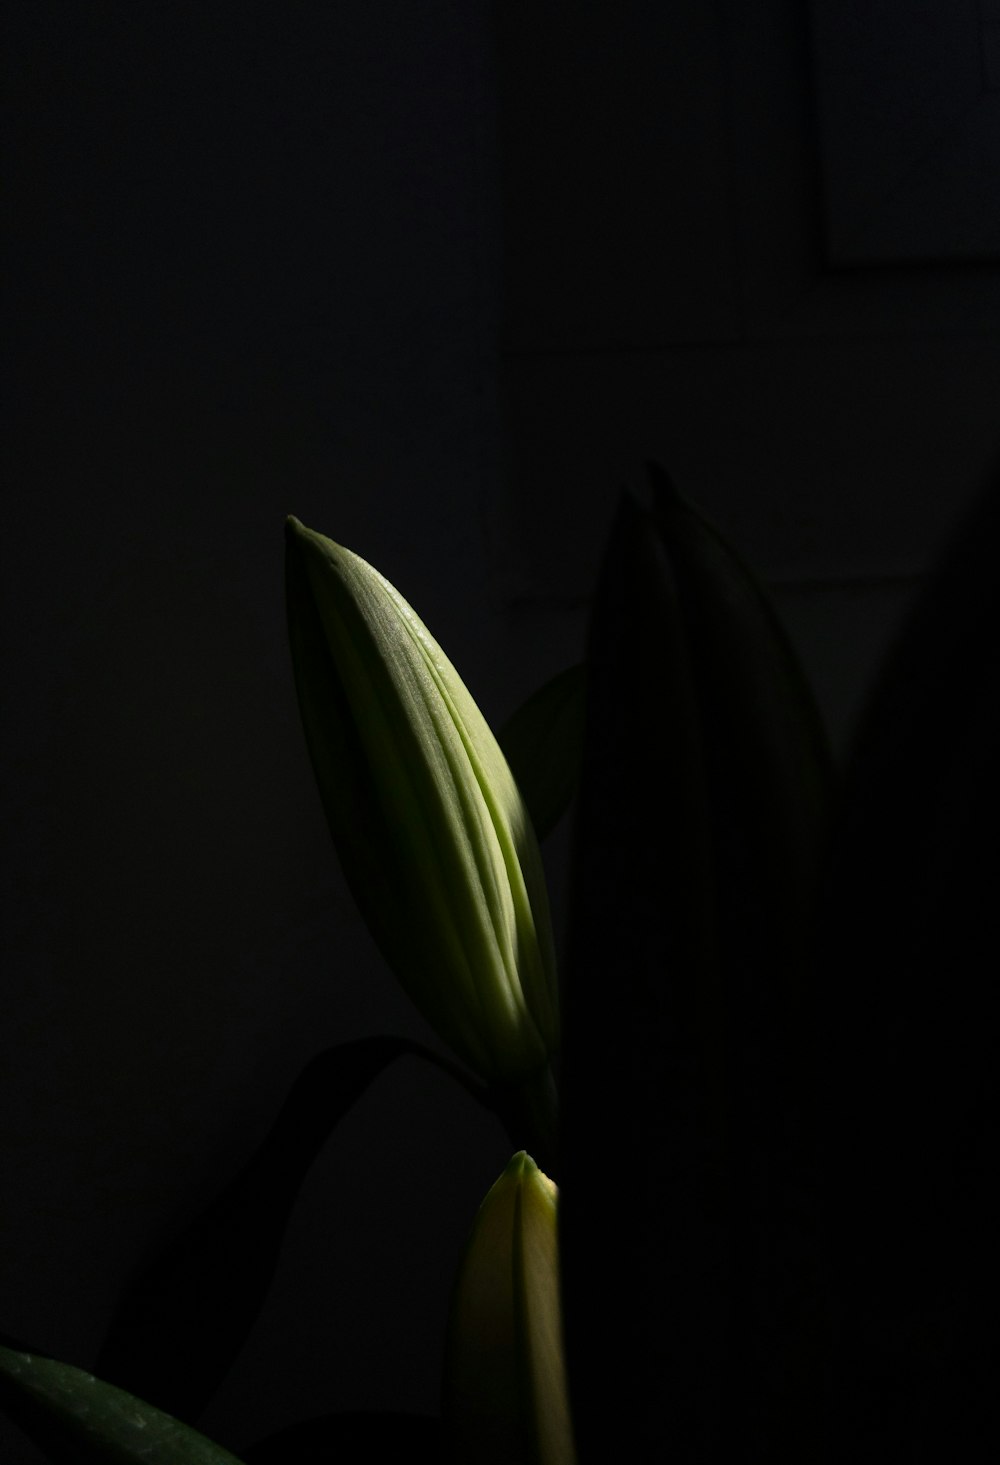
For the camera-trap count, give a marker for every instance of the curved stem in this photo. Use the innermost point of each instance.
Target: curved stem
(528, 1111)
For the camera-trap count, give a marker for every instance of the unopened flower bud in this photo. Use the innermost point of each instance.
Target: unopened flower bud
(505, 1397)
(433, 836)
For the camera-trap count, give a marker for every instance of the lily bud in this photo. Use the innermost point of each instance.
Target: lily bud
(505, 1398)
(434, 838)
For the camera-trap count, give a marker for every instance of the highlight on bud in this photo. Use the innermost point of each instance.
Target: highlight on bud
(505, 1398)
(433, 835)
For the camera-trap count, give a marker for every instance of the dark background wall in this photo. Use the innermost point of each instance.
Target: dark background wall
(436, 279)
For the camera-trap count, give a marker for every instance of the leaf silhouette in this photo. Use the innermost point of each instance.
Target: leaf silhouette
(543, 743)
(701, 833)
(181, 1322)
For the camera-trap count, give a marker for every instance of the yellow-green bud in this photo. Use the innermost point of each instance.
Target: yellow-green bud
(432, 833)
(505, 1400)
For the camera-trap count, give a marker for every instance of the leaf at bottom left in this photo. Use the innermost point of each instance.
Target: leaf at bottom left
(78, 1419)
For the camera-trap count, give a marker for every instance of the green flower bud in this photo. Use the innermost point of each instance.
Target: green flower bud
(433, 836)
(505, 1399)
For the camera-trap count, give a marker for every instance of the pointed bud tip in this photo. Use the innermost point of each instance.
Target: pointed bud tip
(522, 1170)
(298, 533)
(520, 1164)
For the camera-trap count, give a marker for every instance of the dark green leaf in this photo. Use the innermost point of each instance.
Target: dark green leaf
(182, 1321)
(543, 743)
(78, 1419)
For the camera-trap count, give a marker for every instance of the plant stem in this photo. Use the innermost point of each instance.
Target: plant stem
(529, 1111)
